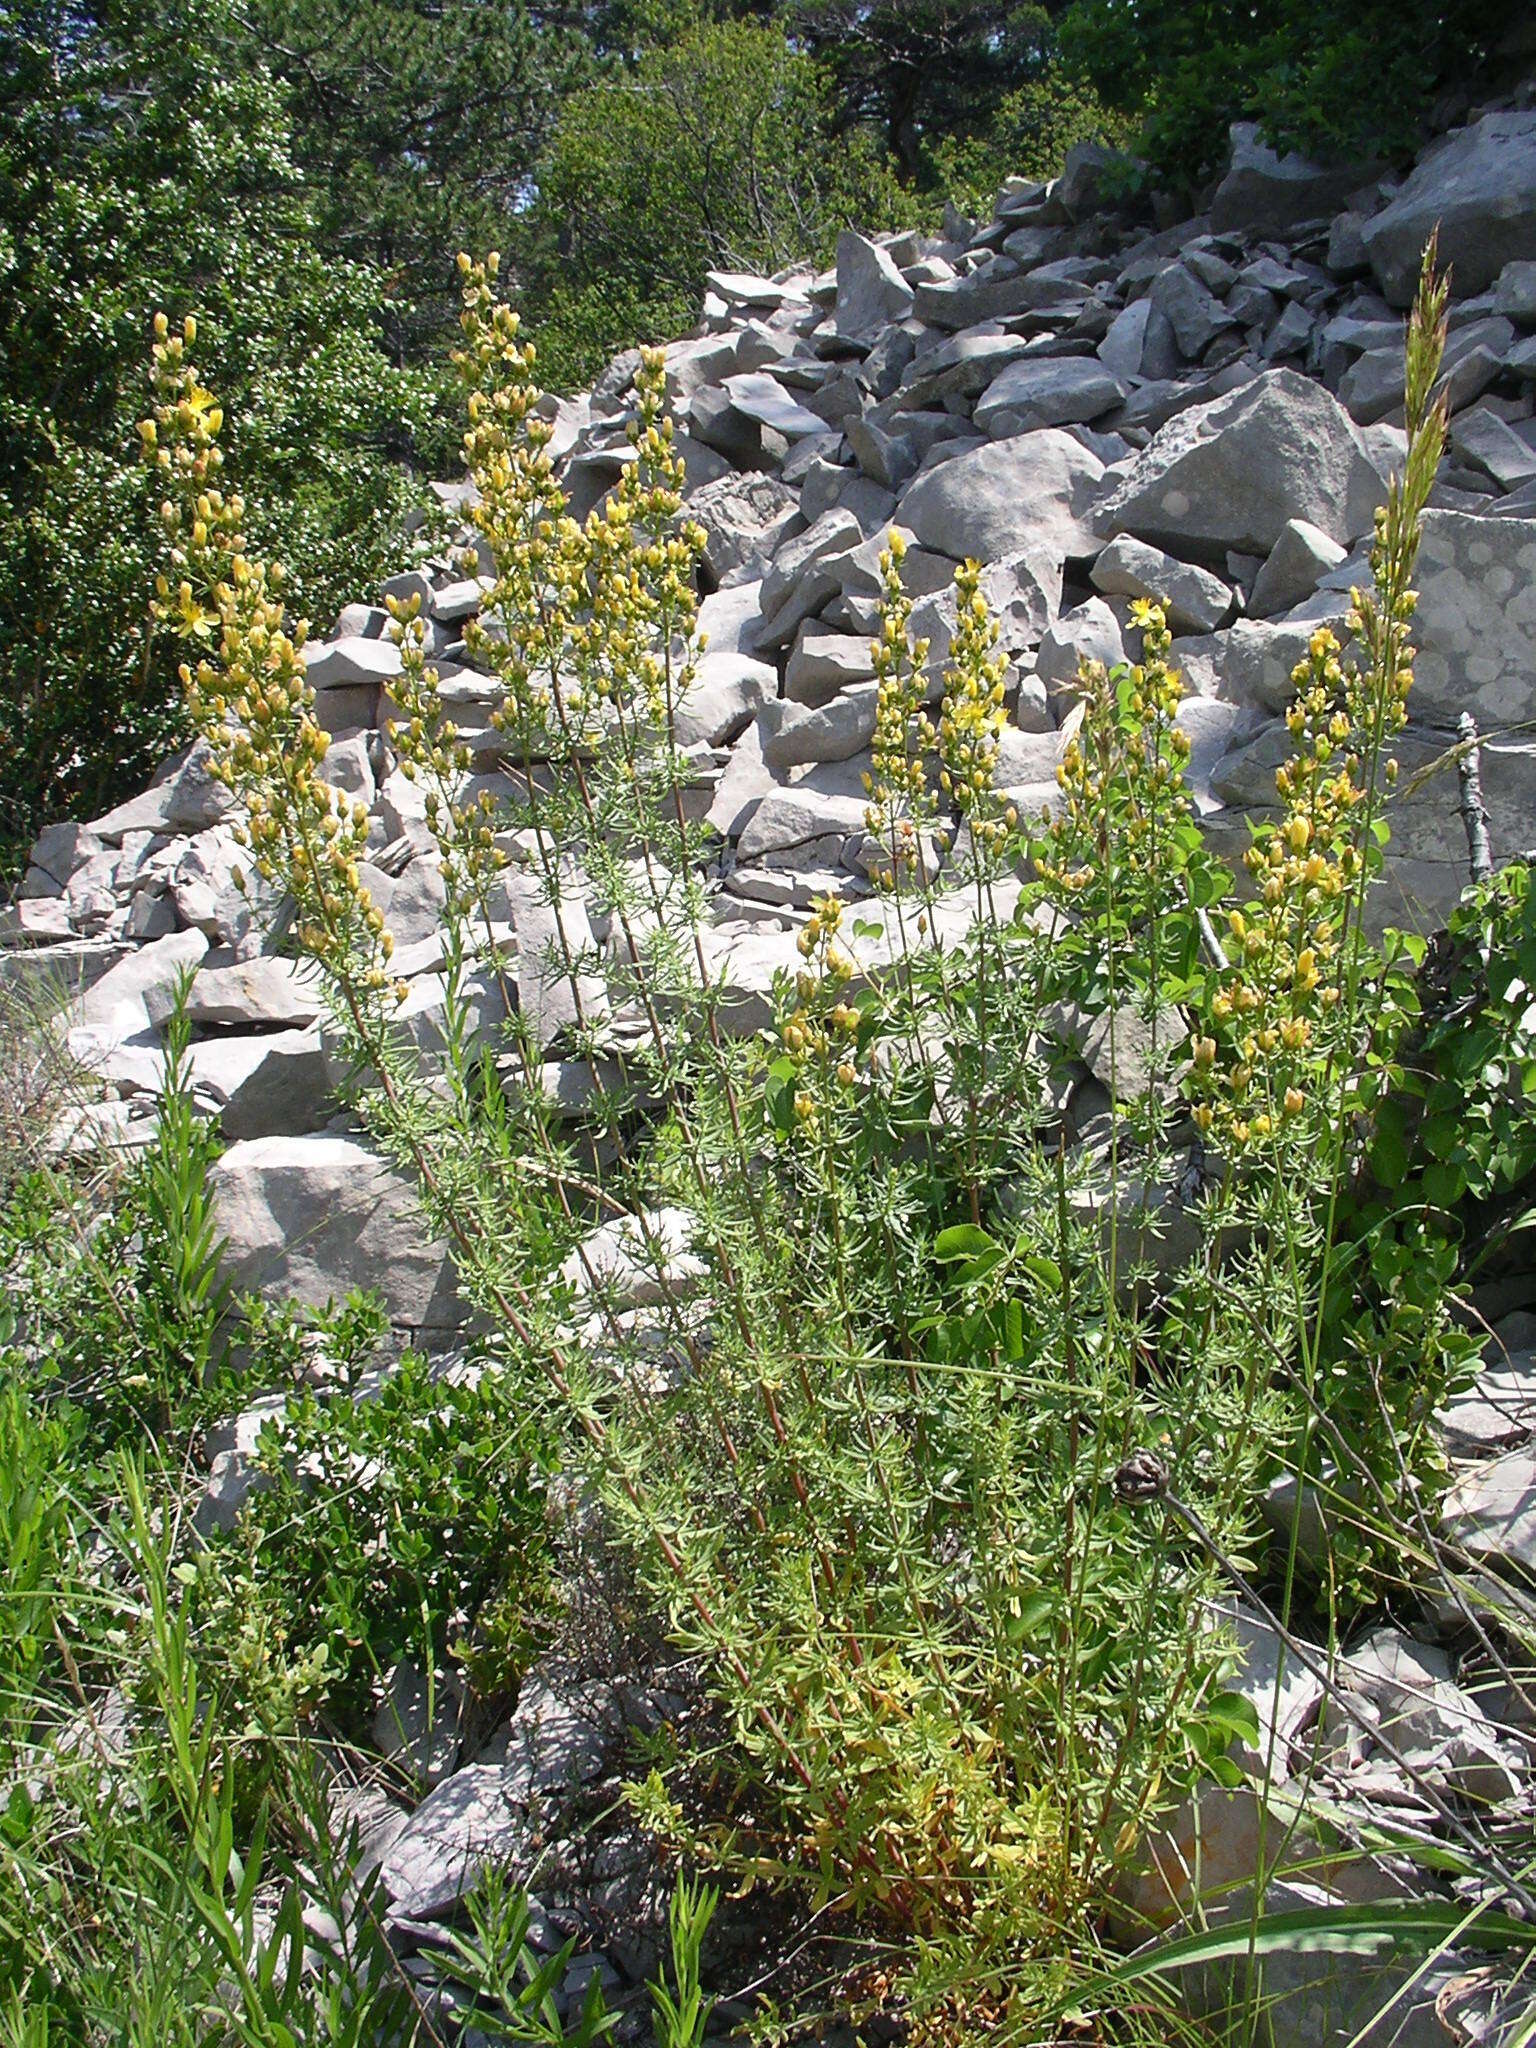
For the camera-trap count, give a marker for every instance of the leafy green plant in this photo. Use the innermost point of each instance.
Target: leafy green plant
(515, 1988)
(680, 2009)
(405, 1518)
(930, 1433)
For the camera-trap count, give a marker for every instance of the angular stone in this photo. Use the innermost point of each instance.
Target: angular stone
(1515, 293)
(464, 1825)
(742, 517)
(871, 291)
(1196, 601)
(274, 1085)
(795, 734)
(1121, 349)
(350, 663)
(1478, 185)
(826, 800)
(1265, 193)
(1484, 441)
(961, 367)
(1194, 313)
(825, 663)
(1231, 472)
(1089, 632)
(834, 533)
(310, 1218)
(726, 691)
(419, 1724)
(266, 992)
(1475, 625)
(1031, 491)
(763, 399)
(1301, 556)
(1053, 392)
(113, 1014)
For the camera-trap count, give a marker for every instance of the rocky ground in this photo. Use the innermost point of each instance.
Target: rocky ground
(1204, 414)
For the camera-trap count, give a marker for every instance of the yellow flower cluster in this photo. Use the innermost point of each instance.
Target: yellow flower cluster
(247, 689)
(596, 644)
(902, 802)
(974, 715)
(820, 1035)
(1121, 778)
(1284, 947)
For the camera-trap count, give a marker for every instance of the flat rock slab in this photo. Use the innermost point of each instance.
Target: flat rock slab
(464, 1826)
(1031, 491)
(1478, 185)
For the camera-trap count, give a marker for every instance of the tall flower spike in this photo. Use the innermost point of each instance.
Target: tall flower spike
(246, 682)
(901, 800)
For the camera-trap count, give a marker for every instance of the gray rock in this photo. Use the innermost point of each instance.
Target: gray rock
(823, 664)
(636, 1261)
(961, 367)
(1265, 193)
(1122, 347)
(1194, 313)
(746, 781)
(1483, 441)
(1490, 1512)
(725, 616)
(252, 994)
(110, 1027)
(726, 691)
(1411, 1697)
(466, 1824)
(1053, 392)
(1089, 632)
(1027, 492)
(797, 733)
(268, 1086)
(827, 800)
(871, 291)
(559, 1736)
(742, 517)
(834, 533)
(233, 1473)
(350, 663)
(762, 399)
(312, 1217)
(419, 1722)
(1515, 293)
(1230, 473)
(557, 986)
(1301, 556)
(1476, 620)
(1197, 601)
(1478, 185)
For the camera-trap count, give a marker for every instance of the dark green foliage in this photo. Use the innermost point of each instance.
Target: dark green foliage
(715, 151)
(918, 71)
(1338, 77)
(146, 164)
(403, 1513)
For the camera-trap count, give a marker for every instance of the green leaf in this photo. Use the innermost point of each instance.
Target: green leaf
(962, 1241)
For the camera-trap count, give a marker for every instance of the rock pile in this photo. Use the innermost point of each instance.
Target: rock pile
(1205, 414)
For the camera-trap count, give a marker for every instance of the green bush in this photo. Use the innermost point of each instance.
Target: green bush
(1338, 78)
(938, 1453)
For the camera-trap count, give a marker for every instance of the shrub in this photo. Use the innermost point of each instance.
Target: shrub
(937, 1443)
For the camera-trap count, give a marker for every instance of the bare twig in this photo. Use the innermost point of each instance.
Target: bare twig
(1474, 812)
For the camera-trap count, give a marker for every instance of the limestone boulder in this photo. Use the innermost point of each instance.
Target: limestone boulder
(1267, 191)
(1478, 185)
(310, 1217)
(1034, 490)
(1232, 472)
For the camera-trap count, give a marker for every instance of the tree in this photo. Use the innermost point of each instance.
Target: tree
(920, 70)
(145, 164)
(717, 151)
(1340, 78)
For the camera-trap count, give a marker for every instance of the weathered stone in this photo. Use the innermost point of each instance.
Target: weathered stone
(419, 1722)
(266, 992)
(1301, 556)
(1478, 186)
(1265, 193)
(826, 800)
(110, 1025)
(1027, 492)
(1230, 473)
(1196, 601)
(822, 664)
(870, 289)
(796, 733)
(746, 781)
(560, 1734)
(1194, 313)
(833, 534)
(556, 982)
(1515, 293)
(763, 399)
(961, 367)
(1088, 632)
(1483, 441)
(464, 1825)
(1475, 625)
(309, 1218)
(726, 691)
(1055, 391)
(273, 1085)
(1122, 347)
(742, 517)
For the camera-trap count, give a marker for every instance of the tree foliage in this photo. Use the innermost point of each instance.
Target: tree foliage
(143, 163)
(1338, 77)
